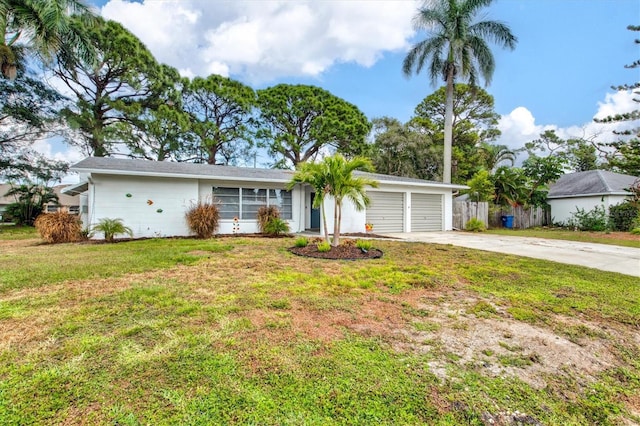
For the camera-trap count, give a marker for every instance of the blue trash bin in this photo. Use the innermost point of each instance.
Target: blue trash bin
(507, 221)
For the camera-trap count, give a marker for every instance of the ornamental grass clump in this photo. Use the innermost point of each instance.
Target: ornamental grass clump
(324, 247)
(203, 219)
(265, 215)
(276, 227)
(301, 242)
(59, 227)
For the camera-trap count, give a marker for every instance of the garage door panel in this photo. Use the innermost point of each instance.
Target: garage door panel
(386, 211)
(426, 212)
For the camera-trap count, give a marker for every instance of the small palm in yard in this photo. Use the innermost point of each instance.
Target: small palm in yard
(111, 227)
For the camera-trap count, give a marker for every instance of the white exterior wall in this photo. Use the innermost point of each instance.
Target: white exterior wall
(563, 208)
(108, 199)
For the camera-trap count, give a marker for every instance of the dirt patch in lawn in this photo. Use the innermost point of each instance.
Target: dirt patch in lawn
(443, 325)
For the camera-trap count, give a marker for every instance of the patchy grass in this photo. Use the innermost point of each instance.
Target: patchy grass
(13, 232)
(239, 331)
(613, 238)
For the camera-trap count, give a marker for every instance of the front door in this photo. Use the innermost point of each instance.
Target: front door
(315, 214)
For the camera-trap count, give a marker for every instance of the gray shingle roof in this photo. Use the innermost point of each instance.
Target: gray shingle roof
(592, 182)
(122, 166)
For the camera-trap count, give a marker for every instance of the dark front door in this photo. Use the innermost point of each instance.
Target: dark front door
(315, 214)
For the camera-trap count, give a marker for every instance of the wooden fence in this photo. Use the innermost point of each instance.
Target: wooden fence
(522, 218)
(465, 210)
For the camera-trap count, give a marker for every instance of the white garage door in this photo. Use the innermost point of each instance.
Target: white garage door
(426, 212)
(386, 211)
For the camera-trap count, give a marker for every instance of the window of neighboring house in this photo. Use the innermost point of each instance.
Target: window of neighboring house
(74, 209)
(245, 202)
(52, 208)
(228, 200)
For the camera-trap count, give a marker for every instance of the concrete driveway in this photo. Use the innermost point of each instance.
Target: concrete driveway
(624, 260)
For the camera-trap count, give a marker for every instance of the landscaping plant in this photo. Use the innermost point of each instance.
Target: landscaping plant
(276, 226)
(265, 214)
(111, 227)
(301, 242)
(475, 225)
(203, 219)
(59, 227)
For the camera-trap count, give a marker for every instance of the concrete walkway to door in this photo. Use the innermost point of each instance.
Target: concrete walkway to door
(624, 260)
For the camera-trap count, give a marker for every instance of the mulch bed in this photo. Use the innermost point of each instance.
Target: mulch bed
(340, 252)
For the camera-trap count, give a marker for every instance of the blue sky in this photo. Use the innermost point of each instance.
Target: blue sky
(569, 52)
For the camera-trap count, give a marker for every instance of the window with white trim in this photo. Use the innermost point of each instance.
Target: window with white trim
(228, 201)
(244, 202)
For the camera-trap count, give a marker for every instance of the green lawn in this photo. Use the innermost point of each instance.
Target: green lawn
(614, 238)
(239, 331)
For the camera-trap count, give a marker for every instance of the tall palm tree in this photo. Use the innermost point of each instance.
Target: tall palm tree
(492, 155)
(455, 49)
(40, 26)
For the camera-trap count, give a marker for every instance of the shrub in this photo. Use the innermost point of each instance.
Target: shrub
(593, 220)
(203, 219)
(111, 227)
(276, 226)
(635, 231)
(348, 243)
(265, 215)
(324, 247)
(622, 216)
(301, 242)
(59, 227)
(475, 225)
(364, 245)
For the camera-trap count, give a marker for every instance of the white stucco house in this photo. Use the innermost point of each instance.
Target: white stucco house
(152, 197)
(587, 190)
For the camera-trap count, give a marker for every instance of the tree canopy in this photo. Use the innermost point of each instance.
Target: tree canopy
(220, 111)
(297, 121)
(120, 83)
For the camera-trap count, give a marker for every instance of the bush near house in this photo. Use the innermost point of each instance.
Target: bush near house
(111, 227)
(622, 216)
(203, 219)
(266, 214)
(59, 227)
(593, 220)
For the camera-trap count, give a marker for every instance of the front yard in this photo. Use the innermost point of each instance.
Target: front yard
(240, 331)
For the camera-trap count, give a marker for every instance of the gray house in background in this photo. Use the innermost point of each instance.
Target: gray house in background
(587, 190)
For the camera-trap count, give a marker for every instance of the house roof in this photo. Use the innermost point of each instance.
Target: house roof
(121, 166)
(591, 183)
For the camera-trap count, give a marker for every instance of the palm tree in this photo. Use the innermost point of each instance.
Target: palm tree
(492, 155)
(342, 184)
(41, 26)
(314, 174)
(334, 177)
(111, 227)
(456, 48)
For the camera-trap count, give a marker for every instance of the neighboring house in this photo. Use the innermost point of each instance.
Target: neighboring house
(69, 203)
(587, 190)
(152, 197)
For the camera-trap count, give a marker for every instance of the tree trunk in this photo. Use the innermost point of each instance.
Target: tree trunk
(337, 217)
(448, 127)
(324, 221)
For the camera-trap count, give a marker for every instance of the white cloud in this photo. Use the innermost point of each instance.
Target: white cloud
(519, 126)
(267, 39)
